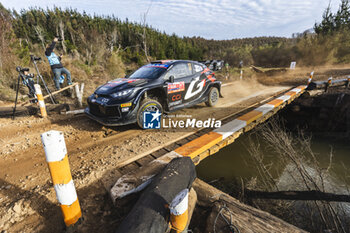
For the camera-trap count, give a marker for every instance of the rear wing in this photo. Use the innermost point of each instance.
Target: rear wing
(214, 65)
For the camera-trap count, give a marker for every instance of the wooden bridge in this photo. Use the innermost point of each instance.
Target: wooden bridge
(136, 175)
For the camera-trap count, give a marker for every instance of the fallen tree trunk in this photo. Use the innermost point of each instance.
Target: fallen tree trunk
(298, 195)
(245, 218)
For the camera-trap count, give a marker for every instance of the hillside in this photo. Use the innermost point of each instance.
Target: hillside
(98, 48)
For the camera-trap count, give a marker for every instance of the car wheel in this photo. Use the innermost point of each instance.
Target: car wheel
(213, 97)
(147, 105)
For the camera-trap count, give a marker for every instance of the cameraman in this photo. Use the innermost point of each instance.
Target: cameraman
(56, 65)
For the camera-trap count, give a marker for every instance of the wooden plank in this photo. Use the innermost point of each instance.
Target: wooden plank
(128, 168)
(159, 153)
(250, 116)
(192, 137)
(199, 145)
(60, 90)
(171, 147)
(183, 141)
(275, 102)
(145, 160)
(170, 143)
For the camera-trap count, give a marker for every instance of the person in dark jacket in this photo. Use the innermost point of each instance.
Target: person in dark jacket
(56, 65)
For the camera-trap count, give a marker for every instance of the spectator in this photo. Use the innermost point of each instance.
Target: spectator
(56, 65)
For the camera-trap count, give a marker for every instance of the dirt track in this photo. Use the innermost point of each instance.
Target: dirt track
(27, 198)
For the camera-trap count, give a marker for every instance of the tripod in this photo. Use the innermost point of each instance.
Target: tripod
(21, 71)
(34, 60)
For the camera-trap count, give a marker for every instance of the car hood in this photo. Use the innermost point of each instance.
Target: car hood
(119, 85)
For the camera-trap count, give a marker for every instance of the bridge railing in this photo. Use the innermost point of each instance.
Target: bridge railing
(329, 83)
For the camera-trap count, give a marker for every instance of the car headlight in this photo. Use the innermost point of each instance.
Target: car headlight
(122, 93)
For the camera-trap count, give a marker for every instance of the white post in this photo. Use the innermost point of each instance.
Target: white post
(310, 79)
(41, 101)
(79, 94)
(179, 211)
(57, 159)
(292, 65)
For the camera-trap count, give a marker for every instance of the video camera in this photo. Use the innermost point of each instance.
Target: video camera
(20, 69)
(59, 38)
(34, 58)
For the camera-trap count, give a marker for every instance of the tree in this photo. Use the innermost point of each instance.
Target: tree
(327, 24)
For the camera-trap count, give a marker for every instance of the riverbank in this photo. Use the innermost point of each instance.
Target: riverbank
(305, 149)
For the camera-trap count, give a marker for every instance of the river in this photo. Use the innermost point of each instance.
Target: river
(235, 161)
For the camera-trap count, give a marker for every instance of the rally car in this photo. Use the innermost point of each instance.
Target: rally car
(161, 86)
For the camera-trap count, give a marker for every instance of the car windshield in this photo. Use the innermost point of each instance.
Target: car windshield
(150, 71)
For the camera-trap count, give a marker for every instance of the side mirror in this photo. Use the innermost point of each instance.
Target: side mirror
(127, 76)
(171, 78)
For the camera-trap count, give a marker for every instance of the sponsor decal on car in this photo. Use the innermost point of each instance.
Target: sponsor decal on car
(175, 103)
(165, 66)
(211, 78)
(125, 105)
(199, 87)
(176, 87)
(176, 97)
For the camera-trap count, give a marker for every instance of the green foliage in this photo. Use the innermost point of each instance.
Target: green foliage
(334, 22)
(94, 38)
(96, 45)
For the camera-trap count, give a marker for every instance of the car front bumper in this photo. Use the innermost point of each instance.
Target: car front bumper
(111, 115)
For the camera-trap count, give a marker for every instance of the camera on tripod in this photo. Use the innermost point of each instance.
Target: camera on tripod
(34, 58)
(20, 69)
(59, 38)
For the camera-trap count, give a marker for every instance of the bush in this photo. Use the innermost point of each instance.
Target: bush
(115, 66)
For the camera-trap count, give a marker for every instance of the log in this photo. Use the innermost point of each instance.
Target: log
(78, 111)
(20, 111)
(246, 218)
(31, 110)
(60, 90)
(151, 212)
(138, 179)
(322, 84)
(257, 70)
(298, 195)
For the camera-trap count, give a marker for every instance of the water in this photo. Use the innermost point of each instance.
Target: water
(234, 161)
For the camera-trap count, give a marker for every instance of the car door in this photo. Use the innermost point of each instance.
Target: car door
(196, 86)
(183, 75)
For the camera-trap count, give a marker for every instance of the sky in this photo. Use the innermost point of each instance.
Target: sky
(211, 19)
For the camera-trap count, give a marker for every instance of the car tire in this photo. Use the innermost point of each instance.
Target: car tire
(147, 105)
(213, 97)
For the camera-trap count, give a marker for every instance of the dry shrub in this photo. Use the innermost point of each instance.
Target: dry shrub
(115, 66)
(302, 172)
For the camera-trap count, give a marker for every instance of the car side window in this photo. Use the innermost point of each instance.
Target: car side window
(198, 68)
(179, 71)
